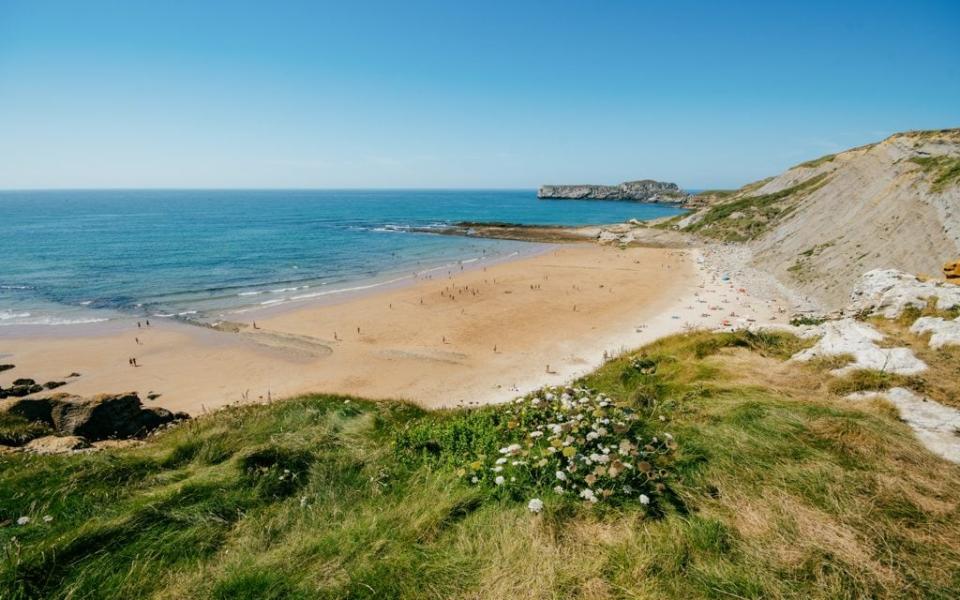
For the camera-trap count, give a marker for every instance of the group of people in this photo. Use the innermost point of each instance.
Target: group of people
(133, 361)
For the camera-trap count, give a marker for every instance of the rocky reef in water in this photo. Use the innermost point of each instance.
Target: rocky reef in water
(646, 190)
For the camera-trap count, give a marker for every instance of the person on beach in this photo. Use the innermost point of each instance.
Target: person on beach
(138, 324)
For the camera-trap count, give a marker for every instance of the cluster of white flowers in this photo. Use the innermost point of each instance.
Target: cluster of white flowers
(575, 441)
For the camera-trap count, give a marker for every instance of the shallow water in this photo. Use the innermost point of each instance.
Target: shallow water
(82, 256)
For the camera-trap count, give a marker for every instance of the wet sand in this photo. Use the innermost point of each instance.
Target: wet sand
(471, 337)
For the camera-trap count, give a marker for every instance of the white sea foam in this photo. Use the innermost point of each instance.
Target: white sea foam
(6, 315)
(249, 293)
(26, 319)
(355, 288)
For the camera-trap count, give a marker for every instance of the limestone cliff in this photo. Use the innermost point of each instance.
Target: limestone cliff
(821, 224)
(646, 190)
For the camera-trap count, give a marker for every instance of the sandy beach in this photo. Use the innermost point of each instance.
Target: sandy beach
(463, 338)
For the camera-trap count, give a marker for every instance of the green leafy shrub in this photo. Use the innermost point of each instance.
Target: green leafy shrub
(574, 442)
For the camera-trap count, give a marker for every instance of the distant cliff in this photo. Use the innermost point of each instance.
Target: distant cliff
(646, 190)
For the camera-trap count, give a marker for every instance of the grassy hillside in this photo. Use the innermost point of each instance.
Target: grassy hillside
(771, 487)
(745, 216)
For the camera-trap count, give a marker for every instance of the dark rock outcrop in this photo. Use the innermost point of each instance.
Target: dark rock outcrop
(5, 368)
(98, 418)
(646, 190)
(20, 390)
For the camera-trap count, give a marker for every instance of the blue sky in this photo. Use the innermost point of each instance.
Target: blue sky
(459, 94)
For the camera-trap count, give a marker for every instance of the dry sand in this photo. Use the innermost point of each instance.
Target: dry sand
(431, 342)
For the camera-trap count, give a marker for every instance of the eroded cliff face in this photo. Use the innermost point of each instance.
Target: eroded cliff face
(646, 190)
(820, 225)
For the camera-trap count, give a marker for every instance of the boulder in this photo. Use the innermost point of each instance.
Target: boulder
(98, 418)
(108, 416)
(943, 332)
(859, 340)
(888, 292)
(31, 409)
(5, 368)
(51, 385)
(52, 444)
(19, 391)
(24, 381)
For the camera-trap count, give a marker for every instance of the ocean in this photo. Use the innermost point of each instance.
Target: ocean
(69, 257)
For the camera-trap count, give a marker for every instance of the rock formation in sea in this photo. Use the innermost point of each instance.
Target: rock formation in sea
(646, 190)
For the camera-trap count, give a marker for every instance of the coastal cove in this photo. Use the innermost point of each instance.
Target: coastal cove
(75, 257)
(472, 337)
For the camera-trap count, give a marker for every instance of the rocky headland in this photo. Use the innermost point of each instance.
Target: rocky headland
(646, 190)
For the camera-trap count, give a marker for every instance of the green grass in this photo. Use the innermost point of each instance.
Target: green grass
(943, 170)
(717, 193)
(758, 213)
(775, 489)
(16, 431)
(812, 164)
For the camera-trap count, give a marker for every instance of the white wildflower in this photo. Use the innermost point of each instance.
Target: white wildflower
(511, 449)
(47, 518)
(23, 520)
(561, 476)
(535, 505)
(592, 436)
(501, 460)
(644, 499)
(558, 489)
(587, 494)
(497, 469)
(536, 434)
(499, 480)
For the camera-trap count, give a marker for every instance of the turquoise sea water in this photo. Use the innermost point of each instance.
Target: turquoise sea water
(82, 256)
